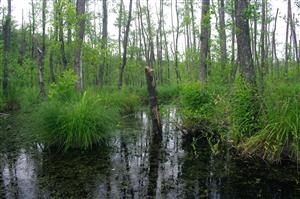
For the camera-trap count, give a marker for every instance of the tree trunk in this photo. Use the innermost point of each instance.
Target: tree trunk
(287, 41)
(205, 36)
(125, 43)
(222, 34)
(274, 43)
(61, 36)
(6, 48)
(80, 11)
(243, 41)
(155, 115)
(40, 60)
(103, 42)
(293, 32)
(262, 69)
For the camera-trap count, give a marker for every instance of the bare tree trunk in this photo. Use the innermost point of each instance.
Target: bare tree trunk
(120, 25)
(175, 39)
(103, 42)
(150, 36)
(274, 43)
(294, 36)
(61, 36)
(243, 41)
(205, 36)
(125, 43)
(23, 42)
(223, 46)
(287, 41)
(262, 69)
(40, 60)
(80, 11)
(6, 48)
(44, 27)
(155, 115)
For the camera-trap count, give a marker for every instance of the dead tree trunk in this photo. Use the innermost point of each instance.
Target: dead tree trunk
(40, 60)
(155, 115)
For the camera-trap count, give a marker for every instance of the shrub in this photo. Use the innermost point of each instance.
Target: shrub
(28, 98)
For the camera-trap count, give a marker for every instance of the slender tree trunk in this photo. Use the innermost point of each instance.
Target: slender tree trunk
(155, 115)
(40, 60)
(120, 25)
(223, 46)
(262, 69)
(125, 44)
(205, 36)
(150, 36)
(23, 42)
(274, 43)
(243, 41)
(61, 36)
(103, 42)
(294, 35)
(80, 11)
(6, 48)
(44, 27)
(287, 41)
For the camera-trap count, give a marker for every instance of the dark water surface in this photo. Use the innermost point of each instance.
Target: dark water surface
(136, 164)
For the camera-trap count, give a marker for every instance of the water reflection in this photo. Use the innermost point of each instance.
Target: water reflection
(138, 164)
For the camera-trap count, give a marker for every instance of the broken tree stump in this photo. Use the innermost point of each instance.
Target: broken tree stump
(155, 115)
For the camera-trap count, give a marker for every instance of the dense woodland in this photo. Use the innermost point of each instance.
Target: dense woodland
(218, 61)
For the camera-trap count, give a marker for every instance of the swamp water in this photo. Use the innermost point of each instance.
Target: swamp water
(135, 164)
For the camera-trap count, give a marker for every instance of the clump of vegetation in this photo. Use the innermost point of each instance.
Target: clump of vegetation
(167, 94)
(124, 101)
(79, 124)
(197, 105)
(279, 137)
(245, 109)
(69, 121)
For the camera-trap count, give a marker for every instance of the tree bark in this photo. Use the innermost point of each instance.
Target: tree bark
(243, 41)
(40, 60)
(125, 43)
(155, 115)
(274, 43)
(262, 69)
(103, 42)
(6, 48)
(205, 36)
(80, 11)
(223, 42)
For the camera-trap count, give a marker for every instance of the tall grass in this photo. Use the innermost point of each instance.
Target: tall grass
(279, 137)
(77, 124)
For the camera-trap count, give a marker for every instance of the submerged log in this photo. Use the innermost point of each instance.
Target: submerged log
(155, 115)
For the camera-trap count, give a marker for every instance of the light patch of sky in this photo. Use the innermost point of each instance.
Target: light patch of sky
(19, 6)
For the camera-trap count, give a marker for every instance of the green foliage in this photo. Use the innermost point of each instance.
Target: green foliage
(245, 109)
(167, 93)
(197, 104)
(64, 89)
(76, 124)
(124, 101)
(28, 98)
(279, 136)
